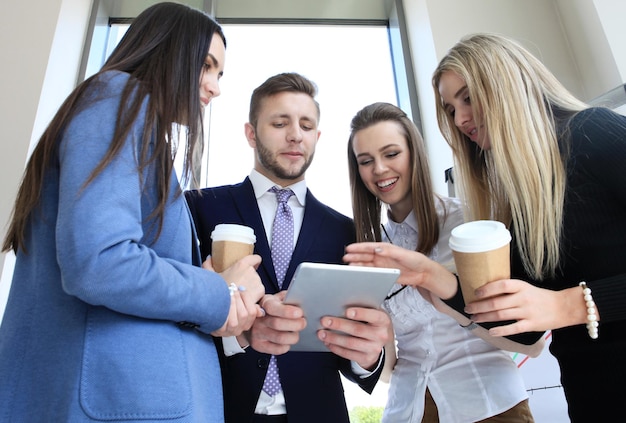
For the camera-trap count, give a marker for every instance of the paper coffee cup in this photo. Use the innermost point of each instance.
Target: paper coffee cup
(230, 243)
(481, 254)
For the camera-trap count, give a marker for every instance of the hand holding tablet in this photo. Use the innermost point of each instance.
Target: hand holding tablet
(329, 289)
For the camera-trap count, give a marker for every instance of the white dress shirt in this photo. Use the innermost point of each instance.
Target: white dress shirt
(468, 378)
(267, 206)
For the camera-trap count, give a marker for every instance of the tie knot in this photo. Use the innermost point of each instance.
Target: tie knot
(282, 195)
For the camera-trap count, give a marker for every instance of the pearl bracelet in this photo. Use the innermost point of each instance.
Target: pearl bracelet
(592, 316)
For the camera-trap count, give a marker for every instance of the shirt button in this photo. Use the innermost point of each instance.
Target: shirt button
(262, 363)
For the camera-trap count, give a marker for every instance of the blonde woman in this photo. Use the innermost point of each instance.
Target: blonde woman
(530, 154)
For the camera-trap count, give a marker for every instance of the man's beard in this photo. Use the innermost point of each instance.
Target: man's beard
(268, 162)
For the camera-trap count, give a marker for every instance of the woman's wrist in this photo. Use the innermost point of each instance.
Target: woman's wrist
(574, 310)
(592, 317)
(442, 283)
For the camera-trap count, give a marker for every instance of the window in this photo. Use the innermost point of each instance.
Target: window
(351, 65)
(352, 68)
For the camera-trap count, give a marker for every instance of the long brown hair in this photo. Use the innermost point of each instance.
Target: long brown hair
(366, 206)
(164, 51)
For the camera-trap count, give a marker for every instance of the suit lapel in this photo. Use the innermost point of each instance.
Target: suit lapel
(314, 215)
(245, 201)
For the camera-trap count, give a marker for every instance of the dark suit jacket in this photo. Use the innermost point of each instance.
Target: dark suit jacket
(311, 382)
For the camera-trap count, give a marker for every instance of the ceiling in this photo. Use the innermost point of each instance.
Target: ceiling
(266, 9)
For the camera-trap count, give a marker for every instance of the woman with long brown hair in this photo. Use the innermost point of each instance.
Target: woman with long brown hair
(110, 312)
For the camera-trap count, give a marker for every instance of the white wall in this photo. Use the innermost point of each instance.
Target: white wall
(40, 48)
(611, 14)
(590, 48)
(569, 36)
(23, 70)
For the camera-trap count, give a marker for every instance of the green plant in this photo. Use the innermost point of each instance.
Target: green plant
(366, 414)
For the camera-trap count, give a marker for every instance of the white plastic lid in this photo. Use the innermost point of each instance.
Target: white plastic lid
(478, 236)
(233, 232)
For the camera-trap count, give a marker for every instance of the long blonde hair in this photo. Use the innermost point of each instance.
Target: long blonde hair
(521, 180)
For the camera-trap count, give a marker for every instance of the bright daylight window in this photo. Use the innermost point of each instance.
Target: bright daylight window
(351, 66)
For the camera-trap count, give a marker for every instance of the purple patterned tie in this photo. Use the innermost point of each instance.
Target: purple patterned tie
(282, 247)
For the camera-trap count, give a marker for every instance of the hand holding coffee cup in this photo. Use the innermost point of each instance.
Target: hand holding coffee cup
(481, 253)
(230, 243)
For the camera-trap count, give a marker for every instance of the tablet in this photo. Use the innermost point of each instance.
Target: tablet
(328, 289)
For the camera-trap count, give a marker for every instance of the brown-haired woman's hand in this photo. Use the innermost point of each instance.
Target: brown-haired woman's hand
(246, 291)
(415, 268)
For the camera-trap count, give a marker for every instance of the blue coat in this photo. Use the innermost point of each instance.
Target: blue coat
(311, 381)
(90, 331)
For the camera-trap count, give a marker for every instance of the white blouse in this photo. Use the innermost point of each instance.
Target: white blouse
(469, 379)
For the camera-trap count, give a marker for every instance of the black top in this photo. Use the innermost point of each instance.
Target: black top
(593, 249)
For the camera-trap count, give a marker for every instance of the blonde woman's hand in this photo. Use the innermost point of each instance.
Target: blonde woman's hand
(530, 307)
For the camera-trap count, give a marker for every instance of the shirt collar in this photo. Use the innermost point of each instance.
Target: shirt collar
(261, 184)
(392, 226)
